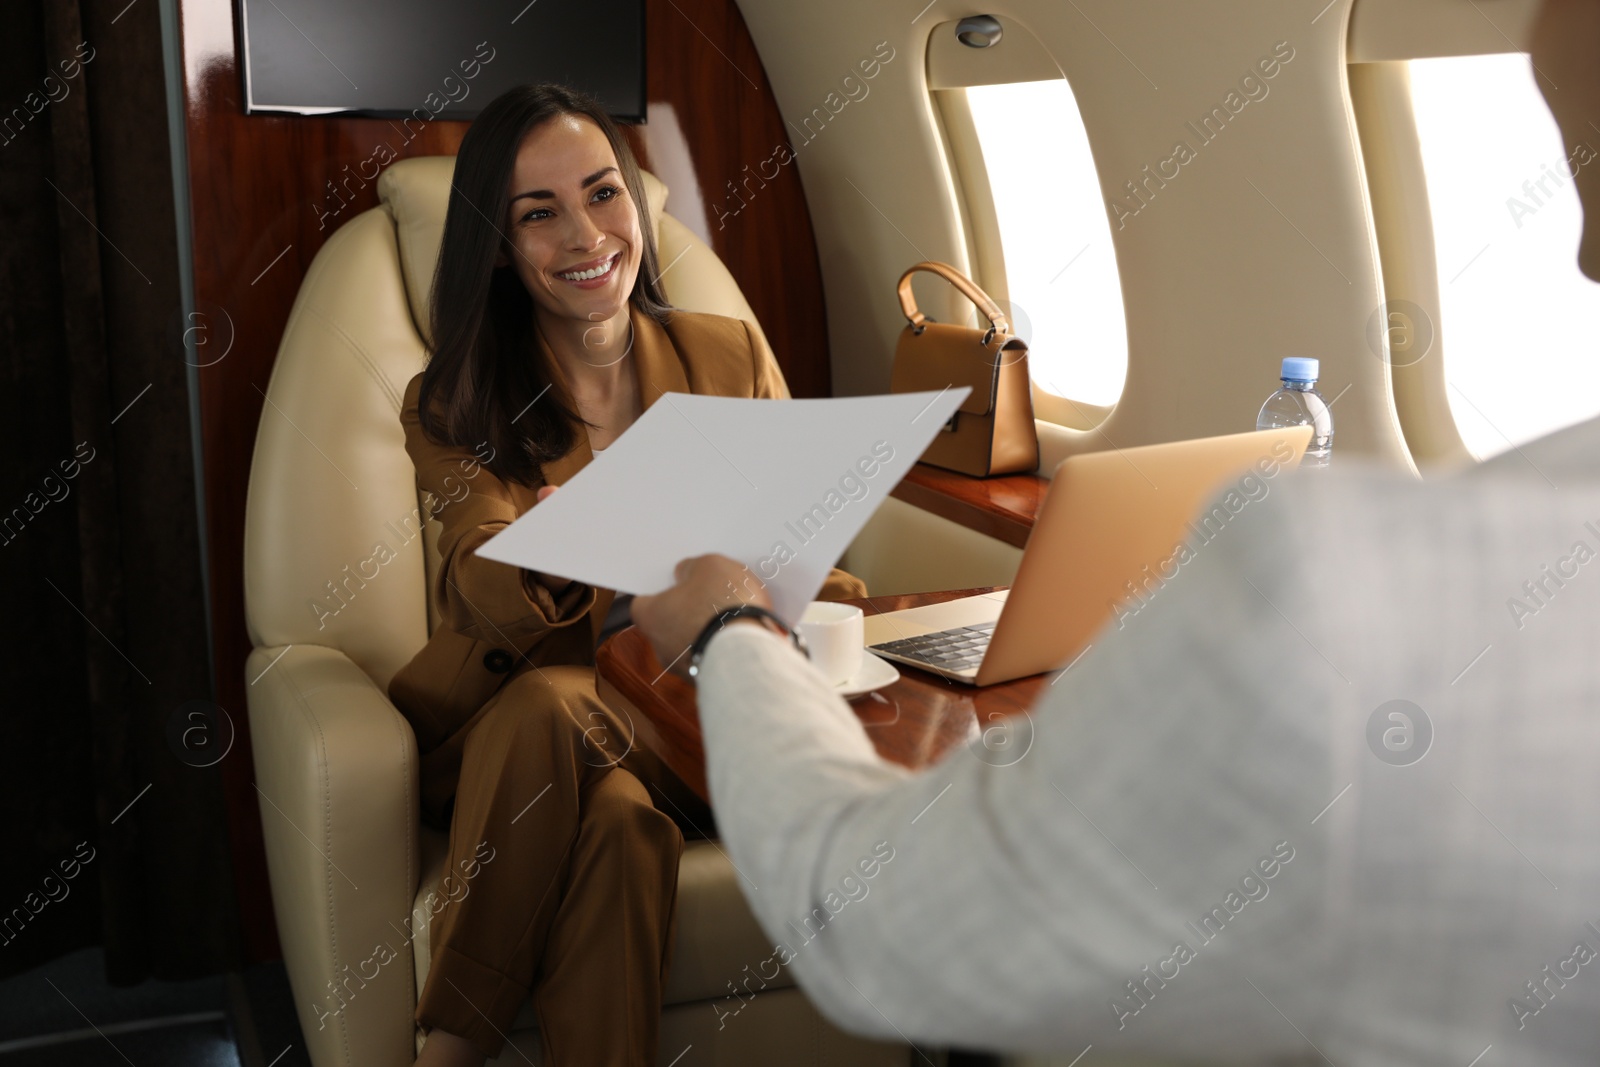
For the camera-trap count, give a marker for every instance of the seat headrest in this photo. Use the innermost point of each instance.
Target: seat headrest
(416, 193)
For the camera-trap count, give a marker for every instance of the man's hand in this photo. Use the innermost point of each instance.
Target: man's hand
(706, 584)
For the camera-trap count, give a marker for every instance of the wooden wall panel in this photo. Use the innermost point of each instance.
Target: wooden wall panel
(262, 205)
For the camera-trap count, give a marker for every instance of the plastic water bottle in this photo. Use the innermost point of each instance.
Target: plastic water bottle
(1299, 404)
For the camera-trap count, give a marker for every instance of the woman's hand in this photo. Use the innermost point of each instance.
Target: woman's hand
(672, 619)
(549, 581)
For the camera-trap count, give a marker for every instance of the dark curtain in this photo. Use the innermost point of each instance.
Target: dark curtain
(113, 825)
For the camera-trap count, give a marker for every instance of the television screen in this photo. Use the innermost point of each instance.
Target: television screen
(426, 60)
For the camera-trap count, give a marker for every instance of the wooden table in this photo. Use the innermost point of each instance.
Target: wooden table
(1002, 507)
(913, 722)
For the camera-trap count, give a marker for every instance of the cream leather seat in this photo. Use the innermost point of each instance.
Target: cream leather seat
(336, 568)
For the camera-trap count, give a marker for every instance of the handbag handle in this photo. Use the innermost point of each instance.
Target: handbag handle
(908, 302)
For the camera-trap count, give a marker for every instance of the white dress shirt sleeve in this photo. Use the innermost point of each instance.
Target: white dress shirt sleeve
(1192, 846)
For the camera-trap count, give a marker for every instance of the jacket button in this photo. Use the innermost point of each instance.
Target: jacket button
(497, 660)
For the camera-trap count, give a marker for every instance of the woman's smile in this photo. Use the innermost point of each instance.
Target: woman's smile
(593, 274)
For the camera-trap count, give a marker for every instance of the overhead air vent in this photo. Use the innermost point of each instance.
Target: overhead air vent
(979, 31)
(985, 50)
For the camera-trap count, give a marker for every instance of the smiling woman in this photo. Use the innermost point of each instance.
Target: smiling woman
(545, 185)
(551, 335)
(577, 252)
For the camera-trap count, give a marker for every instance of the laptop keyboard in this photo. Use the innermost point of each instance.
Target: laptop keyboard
(953, 650)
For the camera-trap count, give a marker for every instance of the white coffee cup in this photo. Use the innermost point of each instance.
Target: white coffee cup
(836, 634)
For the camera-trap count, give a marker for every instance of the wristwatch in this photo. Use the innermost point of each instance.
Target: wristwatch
(697, 650)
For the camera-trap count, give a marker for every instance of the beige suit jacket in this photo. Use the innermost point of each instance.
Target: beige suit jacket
(495, 621)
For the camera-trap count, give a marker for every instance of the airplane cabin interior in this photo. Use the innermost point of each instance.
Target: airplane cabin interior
(373, 366)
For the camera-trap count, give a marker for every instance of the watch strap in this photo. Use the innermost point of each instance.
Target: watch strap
(727, 615)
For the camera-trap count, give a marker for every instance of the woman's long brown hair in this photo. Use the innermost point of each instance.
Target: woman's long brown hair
(485, 371)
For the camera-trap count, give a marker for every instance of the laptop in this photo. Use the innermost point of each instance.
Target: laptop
(1105, 540)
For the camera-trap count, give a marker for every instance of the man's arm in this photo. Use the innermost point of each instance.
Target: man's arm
(1006, 897)
(1221, 841)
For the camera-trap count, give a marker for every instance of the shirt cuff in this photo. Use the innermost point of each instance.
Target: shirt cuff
(754, 625)
(762, 674)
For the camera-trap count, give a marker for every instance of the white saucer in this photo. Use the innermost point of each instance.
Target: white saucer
(875, 673)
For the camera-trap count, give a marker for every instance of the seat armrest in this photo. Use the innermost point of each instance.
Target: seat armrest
(336, 779)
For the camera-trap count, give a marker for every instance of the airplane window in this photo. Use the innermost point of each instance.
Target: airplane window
(1518, 317)
(1061, 268)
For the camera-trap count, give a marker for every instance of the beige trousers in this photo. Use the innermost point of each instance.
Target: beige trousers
(574, 875)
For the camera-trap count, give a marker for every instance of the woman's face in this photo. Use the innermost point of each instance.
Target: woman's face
(572, 229)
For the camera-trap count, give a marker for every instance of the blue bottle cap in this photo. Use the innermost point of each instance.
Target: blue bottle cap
(1299, 369)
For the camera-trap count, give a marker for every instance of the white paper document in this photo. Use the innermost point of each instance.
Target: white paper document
(782, 486)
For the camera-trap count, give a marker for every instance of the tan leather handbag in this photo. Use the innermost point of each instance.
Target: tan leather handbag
(992, 432)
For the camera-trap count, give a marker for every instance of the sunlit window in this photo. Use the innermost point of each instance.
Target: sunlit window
(1519, 320)
(1060, 264)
